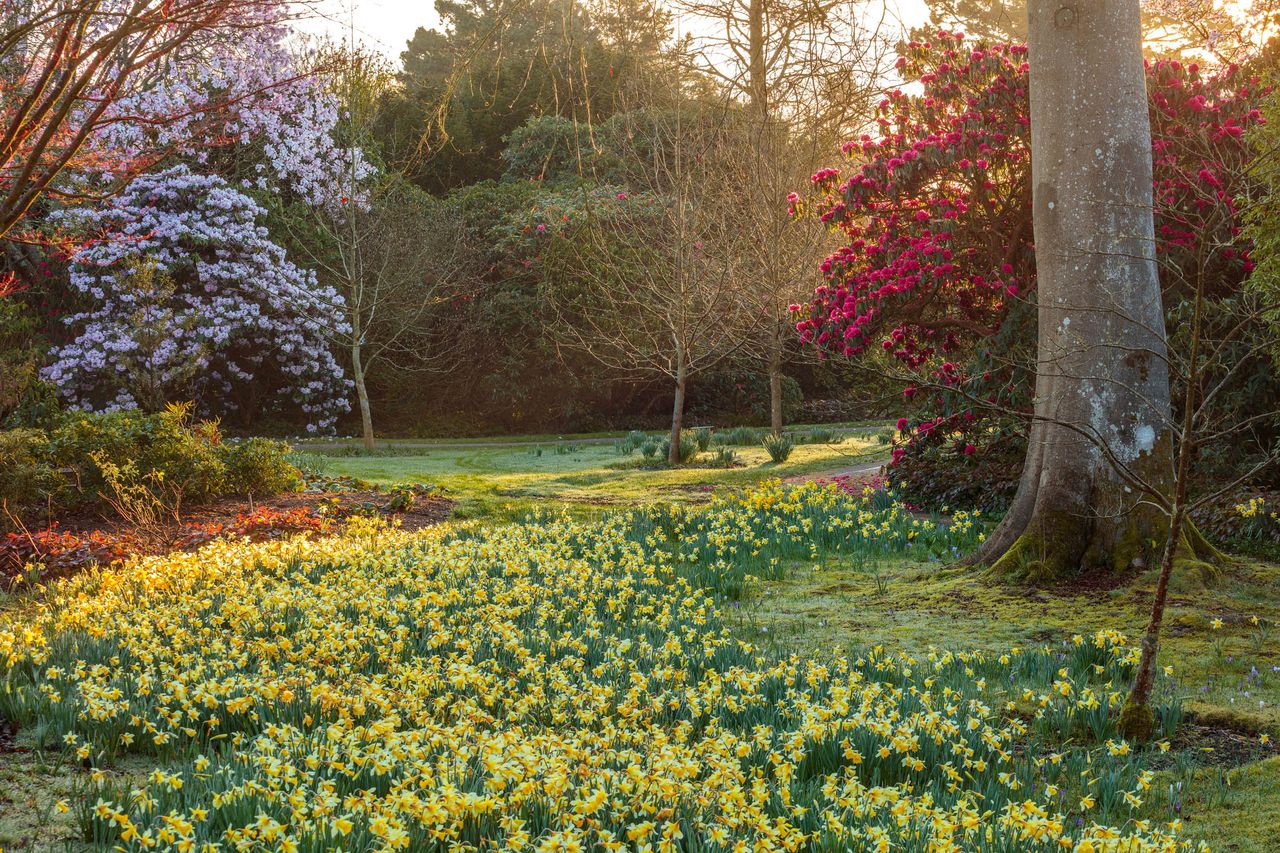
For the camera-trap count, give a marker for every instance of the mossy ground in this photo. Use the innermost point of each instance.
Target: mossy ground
(1228, 676)
(917, 605)
(33, 784)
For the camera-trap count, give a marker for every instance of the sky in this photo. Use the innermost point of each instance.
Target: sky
(385, 25)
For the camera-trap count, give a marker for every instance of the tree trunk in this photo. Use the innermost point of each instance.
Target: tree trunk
(1102, 404)
(362, 394)
(1136, 720)
(677, 410)
(775, 382)
(757, 79)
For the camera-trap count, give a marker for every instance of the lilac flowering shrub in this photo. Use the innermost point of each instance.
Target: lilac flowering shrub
(278, 126)
(253, 322)
(241, 92)
(186, 294)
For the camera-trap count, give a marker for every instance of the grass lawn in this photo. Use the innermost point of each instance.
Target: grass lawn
(508, 481)
(355, 443)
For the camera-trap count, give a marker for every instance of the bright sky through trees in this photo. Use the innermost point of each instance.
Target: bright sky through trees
(387, 24)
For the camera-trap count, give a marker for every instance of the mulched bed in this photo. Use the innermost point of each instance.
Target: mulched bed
(75, 542)
(8, 736)
(426, 510)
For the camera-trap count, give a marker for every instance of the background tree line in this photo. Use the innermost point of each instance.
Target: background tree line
(549, 214)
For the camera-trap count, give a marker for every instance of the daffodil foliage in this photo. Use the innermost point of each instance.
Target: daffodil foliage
(938, 265)
(550, 685)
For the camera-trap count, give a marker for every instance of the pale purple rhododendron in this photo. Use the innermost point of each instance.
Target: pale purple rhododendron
(254, 322)
(247, 93)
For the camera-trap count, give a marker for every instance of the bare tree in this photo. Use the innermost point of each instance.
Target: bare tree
(396, 259)
(393, 252)
(649, 283)
(805, 73)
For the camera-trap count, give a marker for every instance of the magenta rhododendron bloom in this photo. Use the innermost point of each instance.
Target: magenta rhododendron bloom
(937, 267)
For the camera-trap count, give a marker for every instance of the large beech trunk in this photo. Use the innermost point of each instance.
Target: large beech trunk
(1102, 404)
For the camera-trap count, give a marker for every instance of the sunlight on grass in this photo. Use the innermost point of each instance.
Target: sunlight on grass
(525, 476)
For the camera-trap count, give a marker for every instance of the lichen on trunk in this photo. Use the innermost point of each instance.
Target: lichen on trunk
(1100, 451)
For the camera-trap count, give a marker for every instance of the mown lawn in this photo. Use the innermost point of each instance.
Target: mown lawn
(505, 481)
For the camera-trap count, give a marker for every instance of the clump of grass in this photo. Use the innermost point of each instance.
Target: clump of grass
(823, 435)
(740, 436)
(688, 449)
(309, 465)
(632, 442)
(726, 457)
(702, 435)
(778, 445)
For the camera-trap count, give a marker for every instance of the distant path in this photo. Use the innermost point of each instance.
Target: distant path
(862, 471)
(549, 442)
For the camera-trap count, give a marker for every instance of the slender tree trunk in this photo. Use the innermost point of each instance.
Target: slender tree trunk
(757, 76)
(1102, 403)
(1136, 719)
(775, 381)
(677, 409)
(362, 394)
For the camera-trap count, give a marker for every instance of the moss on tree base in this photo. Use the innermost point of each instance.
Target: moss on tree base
(1136, 722)
(1059, 544)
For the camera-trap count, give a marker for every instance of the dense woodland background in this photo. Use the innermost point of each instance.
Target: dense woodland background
(557, 215)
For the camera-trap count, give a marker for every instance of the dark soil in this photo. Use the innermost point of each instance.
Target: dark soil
(1213, 746)
(8, 736)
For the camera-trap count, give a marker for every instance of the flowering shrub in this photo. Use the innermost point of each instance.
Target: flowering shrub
(238, 308)
(552, 685)
(938, 269)
(107, 95)
(247, 90)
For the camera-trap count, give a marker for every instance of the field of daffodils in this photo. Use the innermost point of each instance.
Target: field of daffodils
(560, 685)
